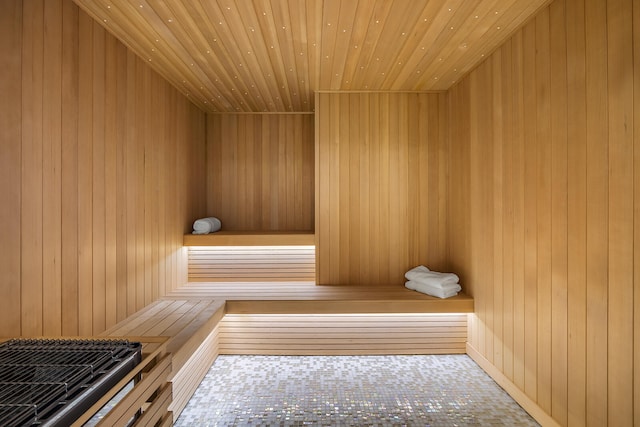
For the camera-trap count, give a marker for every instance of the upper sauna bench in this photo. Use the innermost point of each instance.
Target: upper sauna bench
(251, 238)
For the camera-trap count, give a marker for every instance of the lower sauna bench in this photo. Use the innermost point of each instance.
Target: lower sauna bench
(191, 330)
(202, 320)
(301, 318)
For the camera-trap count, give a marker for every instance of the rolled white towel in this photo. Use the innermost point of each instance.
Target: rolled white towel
(206, 225)
(434, 291)
(422, 274)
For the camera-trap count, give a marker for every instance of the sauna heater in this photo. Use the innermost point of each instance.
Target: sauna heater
(52, 382)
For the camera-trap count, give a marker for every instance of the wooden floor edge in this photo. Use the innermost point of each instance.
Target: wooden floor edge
(514, 391)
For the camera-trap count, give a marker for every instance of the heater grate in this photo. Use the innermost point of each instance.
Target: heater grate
(53, 382)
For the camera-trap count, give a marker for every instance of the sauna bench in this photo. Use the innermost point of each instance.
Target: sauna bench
(187, 327)
(192, 318)
(237, 256)
(251, 238)
(308, 298)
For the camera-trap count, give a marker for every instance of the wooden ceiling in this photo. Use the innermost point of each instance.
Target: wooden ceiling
(272, 55)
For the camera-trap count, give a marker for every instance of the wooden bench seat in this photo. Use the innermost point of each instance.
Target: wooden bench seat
(308, 298)
(188, 327)
(202, 320)
(288, 318)
(251, 238)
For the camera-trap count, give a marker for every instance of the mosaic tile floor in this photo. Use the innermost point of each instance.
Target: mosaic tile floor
(350, 391)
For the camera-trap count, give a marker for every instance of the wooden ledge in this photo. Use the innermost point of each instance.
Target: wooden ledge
(458, 304)
(251, 238)
(308, 298)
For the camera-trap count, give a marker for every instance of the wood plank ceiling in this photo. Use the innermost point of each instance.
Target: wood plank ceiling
(272, 55)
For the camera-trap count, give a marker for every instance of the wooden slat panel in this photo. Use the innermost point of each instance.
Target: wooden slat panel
(559, 362)
(10, 164)
(332, 334)
(74, 130)
(361, 213)
(193, 371)
(69, 169)
(577, 212)
(562, 101)
(251, 263)
(620, 334)
(31, 180)
(258, 171)
(192, 339)
(636, 217)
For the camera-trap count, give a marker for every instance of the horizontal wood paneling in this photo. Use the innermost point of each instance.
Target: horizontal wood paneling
(251, 263)
(542, 214)
(381, 172)
(102, 166)
(260, 171)
(336, 334)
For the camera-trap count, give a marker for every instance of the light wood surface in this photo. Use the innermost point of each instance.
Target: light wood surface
(306, 297)
(541, 210)
(273, 56)
(251, 238)
(190, 330)
(250, 263)
(381, 177)
(227, 256)
(348, 334)
(260, 171)
(301, 318)
(202, 320)
(102, 166)
(11, 16)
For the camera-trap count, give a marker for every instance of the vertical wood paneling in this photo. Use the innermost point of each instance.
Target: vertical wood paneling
(372, 179)
(31, 180)
(260, 171)
(558, 89)
(10, 164)
(83, 168)
(69, 168)
(51, 164)
(621, 149)
(636, 216)
(566, 219)
(85, 177)
(597, 210)
(577, 214)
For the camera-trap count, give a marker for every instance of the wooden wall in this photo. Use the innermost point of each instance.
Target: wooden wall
(381, 171)
(544, 194)
(99, 168)
(260, 171)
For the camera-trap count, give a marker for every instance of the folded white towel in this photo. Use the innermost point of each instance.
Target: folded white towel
(206, 225)
(434, 291)
(423, 275)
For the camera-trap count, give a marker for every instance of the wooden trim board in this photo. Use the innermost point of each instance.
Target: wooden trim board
(251, 238)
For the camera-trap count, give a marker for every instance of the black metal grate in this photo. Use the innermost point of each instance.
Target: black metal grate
(52, 382)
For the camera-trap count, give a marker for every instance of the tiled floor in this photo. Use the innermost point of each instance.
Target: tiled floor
(350, 391)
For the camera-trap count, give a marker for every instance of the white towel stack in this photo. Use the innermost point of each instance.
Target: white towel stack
(206, 225)
(441, 285)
